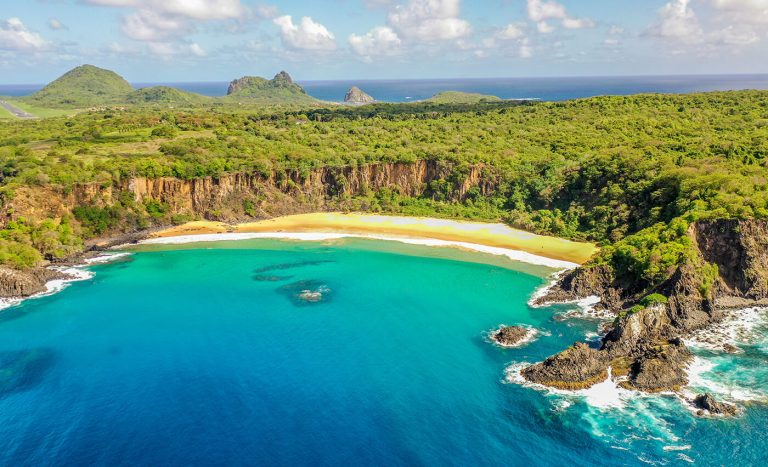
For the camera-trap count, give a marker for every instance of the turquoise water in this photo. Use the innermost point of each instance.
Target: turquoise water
(205, 356)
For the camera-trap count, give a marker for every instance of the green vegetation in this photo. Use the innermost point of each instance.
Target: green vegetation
(631, 173)
(5, 114)
(84, 86)
(166, 95)
(456, 97)
(279, 90)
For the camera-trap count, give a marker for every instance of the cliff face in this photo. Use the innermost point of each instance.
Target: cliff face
(292, 191)
(645, 345)
(280, 192)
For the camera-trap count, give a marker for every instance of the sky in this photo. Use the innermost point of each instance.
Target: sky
(218, 40)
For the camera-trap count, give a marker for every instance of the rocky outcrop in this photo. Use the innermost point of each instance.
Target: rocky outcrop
(510, 336)
(355, 96)
(577, 367)
(645, 342)
(659, 367)
(20, 284)
(709, 405)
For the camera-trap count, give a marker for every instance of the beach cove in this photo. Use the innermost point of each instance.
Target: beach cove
(496, 239)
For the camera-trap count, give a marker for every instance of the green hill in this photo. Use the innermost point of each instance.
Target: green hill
(84, 86)
(279, 90)
(165, 95)
(456, 97)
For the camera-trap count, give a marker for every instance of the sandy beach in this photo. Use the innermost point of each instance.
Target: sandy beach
(496, 236)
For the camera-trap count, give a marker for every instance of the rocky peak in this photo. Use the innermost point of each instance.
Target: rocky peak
(356, 95)
(240, 84)
(282, 78)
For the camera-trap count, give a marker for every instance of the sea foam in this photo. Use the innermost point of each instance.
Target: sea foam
(72, 273)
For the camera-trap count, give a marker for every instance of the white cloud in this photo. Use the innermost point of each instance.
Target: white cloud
(56, 25)
(307, 35)
(148, 25)
(157, 21)
(544, 27)
(525, 50)
(197, 50)
(205, 10)
(429, 20)
(732, 23)
(162, 49)
(378, 41)
(616, 30)
(679, 22)
(541, 12)
(510, 39)
(15, 36)
(512, 32)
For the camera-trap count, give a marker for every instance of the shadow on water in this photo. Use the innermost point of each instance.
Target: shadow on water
(23, 369)
(283, 266)
(308, 292)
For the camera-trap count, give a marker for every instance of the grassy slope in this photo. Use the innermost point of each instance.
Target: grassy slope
(84, 86)
(456, 97)
(166, 95)
(41, 112)
(5, 114)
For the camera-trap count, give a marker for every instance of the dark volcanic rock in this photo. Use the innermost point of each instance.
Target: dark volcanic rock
(577, 367)
(356, 96)
(20, 284)
(510, 336)
(705, 402)
(661, 368)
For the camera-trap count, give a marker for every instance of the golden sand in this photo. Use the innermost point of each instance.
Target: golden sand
(494, 235)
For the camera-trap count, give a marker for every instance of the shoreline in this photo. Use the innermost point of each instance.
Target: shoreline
(496, 239)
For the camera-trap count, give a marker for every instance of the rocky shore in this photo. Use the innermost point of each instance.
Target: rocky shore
(644, 348)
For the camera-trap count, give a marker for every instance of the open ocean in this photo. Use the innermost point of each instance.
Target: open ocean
(547, 89)
(206, 355)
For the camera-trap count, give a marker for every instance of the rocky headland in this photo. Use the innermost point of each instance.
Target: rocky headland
(644, 347)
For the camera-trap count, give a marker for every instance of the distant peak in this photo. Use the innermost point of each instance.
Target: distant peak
(356, 95)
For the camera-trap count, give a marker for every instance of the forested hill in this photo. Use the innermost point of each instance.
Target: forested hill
(629, 172)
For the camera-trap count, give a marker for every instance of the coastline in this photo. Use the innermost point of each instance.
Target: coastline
(497, 239)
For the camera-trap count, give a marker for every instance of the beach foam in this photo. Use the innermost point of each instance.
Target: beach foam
(72, 273)
(514, 255)
(604, 395)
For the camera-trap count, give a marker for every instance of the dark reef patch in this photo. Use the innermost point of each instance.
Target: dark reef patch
(270, 278)
(284, 266)
(23, 369)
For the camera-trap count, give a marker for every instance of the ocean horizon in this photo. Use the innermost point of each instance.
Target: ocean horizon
(541, 88)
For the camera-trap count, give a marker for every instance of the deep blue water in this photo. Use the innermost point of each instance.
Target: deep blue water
(206, 356)
(548, 89)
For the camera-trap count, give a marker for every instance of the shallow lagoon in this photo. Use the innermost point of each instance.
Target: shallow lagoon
(203, 354)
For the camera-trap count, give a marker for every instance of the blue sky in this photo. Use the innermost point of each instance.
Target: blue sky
(217, 40)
